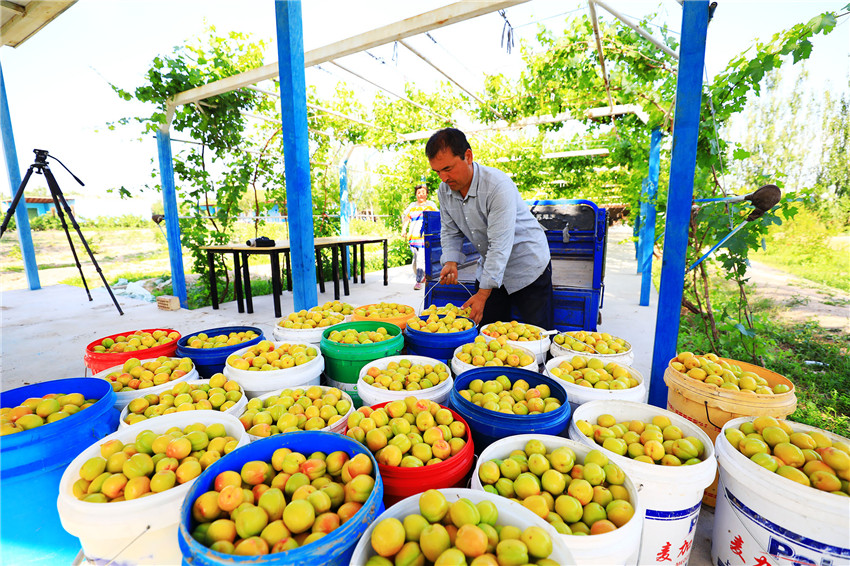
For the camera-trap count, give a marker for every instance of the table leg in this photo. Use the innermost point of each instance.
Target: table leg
(276, 286)
(344, 269)
(362, 263)
(288, 270)
(320, 277)
(213, 288)
(386, 257)
(246, 284)
(353, 264)
(335, 270)
(237, 282)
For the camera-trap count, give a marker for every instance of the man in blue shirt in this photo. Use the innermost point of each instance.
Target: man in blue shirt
(484, 205)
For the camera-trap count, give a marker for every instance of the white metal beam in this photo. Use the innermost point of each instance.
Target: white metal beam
(433, 19)
(594, 20)
(576, 153)
(642, 32)
(399, 96)
(616, 110)
(453, 81)
(499, 125)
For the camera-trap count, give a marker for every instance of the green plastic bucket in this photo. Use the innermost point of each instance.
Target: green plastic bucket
(343, 362)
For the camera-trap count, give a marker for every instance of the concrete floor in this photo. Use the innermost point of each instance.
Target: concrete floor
(44, 333)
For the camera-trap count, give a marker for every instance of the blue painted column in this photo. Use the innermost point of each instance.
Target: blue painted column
(648, 232)
(22, 220)
(695, 17)
(172, 222)
(344, 211)
(640, 222)
(293, 111)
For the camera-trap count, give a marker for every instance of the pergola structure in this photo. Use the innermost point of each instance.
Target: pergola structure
(292, 60)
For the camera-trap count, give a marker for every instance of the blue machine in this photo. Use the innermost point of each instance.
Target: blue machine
(577, 232)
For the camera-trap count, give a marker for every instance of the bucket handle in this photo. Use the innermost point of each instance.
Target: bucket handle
(428, 292)
(709, 418)
(126, 546)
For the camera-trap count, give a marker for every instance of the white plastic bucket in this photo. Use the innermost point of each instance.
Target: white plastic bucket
(626, 358)
(371, 395)
(256, 383)
(458, 367)
(616, 547)
(539, 348)
(762, 514)
(671, 495)
(510, 513)
(124, 397)
(140, 531)
(234, 411)
(338, 427)
(578, 395)
(308, 335)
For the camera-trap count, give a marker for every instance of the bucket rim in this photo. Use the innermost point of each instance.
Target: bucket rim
(397, 472)
(329, 428)
(455, 493)
(716, 395)
(132, 431)
(270, 445)
(393, 330)
(629, 344)
(90, 351)
(231, 411)
(241, 375)
(519, 420)
(825, 501)
(473, 331)
(39, 433)
(492, 451)
(218, 331)
(702, 474)
(579, 389)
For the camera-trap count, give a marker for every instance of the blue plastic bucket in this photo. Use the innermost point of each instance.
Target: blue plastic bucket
(31, 466)
(334, 549)
(489, 426)
(437, 346)
(210, 361)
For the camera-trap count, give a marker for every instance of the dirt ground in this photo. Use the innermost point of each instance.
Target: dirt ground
(137, 250)
(116, 251)
(801, 300)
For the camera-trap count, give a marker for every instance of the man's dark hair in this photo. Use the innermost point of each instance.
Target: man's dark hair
(449, 138)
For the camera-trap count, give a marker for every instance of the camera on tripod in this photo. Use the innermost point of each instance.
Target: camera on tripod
(41, 167)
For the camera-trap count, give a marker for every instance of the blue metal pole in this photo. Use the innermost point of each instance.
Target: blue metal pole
(695, 15)
(645, 261)
(172, 222)
(640, 224)
(344, 210)
(293, 111)
(22, 220)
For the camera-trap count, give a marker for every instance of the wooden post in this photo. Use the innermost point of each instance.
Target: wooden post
(695, 14)
(293, 111)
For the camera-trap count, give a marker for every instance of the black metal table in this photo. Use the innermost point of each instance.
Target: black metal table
(242, 278)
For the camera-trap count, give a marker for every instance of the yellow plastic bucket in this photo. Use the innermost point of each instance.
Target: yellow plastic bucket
(710, 407)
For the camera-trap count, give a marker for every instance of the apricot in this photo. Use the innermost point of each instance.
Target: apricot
(433, 506)
(388, 537)
(433, 541)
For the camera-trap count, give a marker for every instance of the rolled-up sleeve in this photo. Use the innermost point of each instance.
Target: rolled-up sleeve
(501, 225)
(451, 238)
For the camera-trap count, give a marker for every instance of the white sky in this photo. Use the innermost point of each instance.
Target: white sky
(60, 99)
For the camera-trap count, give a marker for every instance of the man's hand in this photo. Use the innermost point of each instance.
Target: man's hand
(448, 275)
(476, 304)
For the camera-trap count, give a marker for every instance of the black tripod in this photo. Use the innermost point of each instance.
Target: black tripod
(40, 166)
